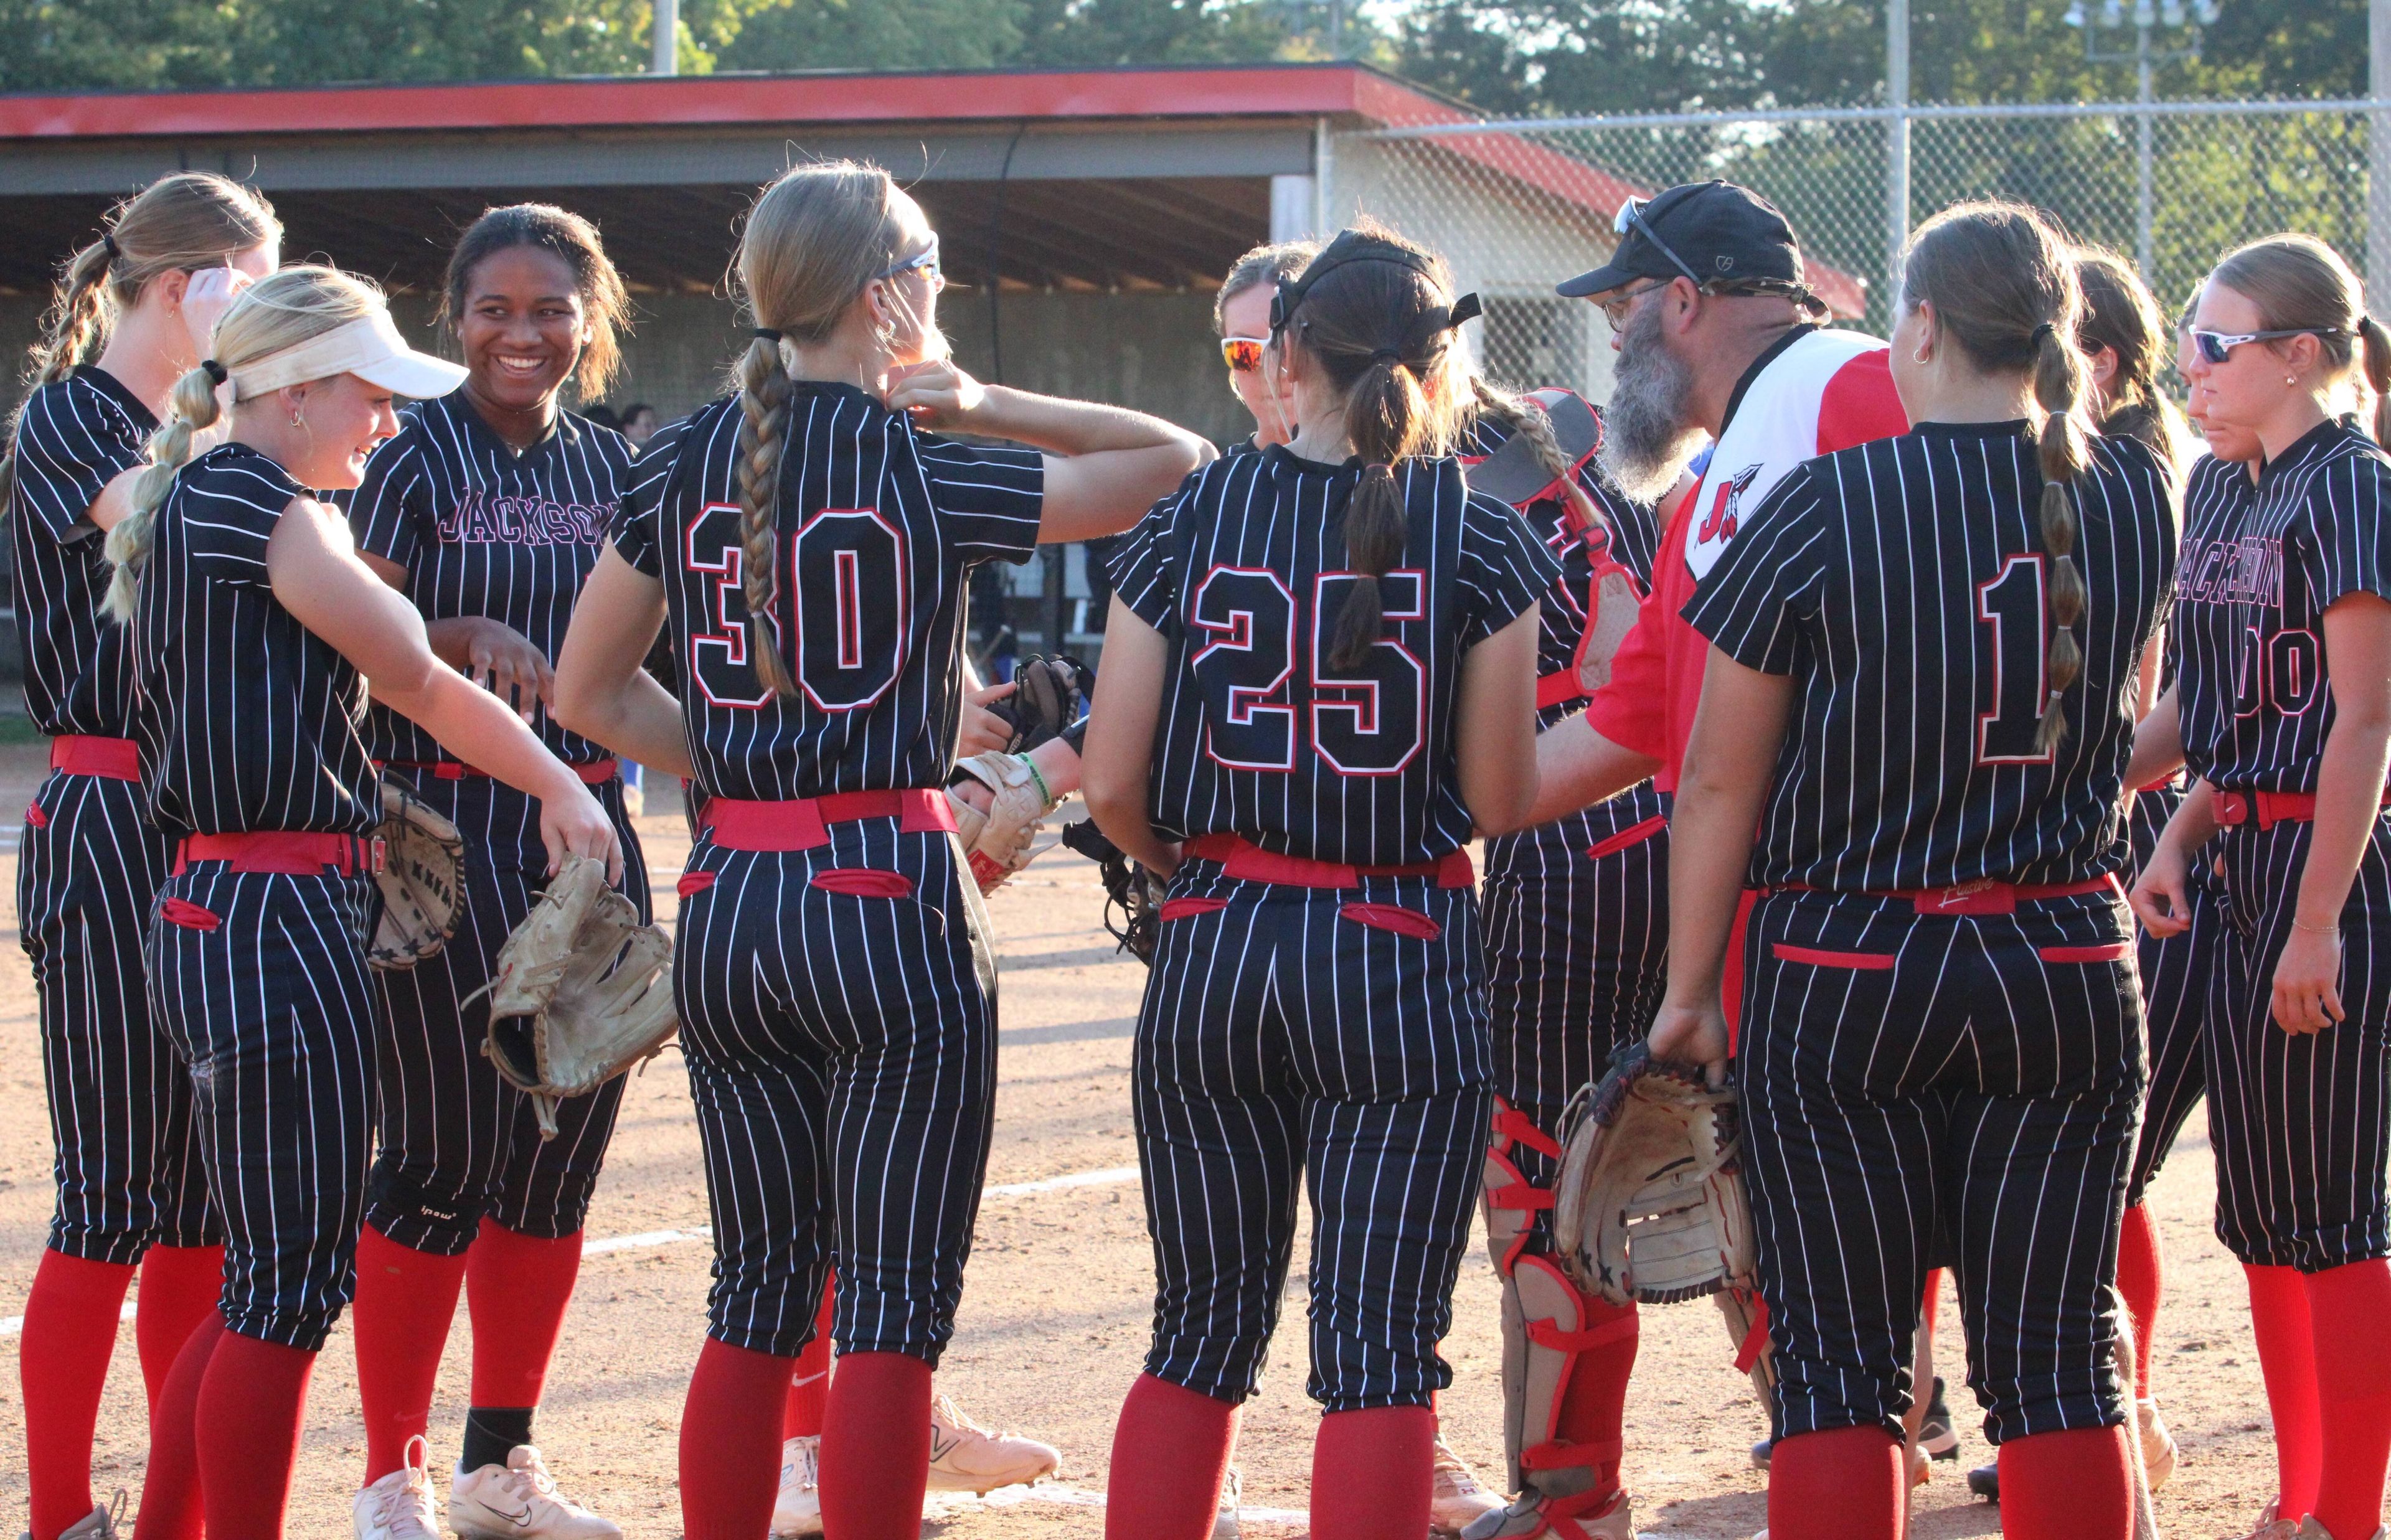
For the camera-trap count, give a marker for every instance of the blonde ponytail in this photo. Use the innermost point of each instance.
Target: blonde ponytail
(1525, 419)
(764, 391)
(194, 409)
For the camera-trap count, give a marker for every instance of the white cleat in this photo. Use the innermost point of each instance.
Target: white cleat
(1527, 1517)
(98, 1525)
(797, 1510)
(965, 1457)
(519, 1498)
(2158, 1444)
(1455, 1500)
(399, 1506)
(1232, 1496)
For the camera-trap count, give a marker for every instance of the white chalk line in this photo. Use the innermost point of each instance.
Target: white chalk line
(11, 1325)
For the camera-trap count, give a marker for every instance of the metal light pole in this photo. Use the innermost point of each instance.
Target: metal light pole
(2378, 155)
(2144, 15)
(1896, 128)
(667, 38)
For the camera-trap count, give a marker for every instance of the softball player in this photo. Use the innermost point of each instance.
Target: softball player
(2282, 592)
(486, 510)
(130, 1190)
(254, 632)
(1577, 942)
(1317, 674)
(810, 547)
(1940, 1049)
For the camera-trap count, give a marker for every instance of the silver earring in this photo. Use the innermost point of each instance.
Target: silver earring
(298, 419)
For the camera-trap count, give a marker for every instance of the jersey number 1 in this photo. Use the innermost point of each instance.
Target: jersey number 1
(2015, 605)
(844, 601)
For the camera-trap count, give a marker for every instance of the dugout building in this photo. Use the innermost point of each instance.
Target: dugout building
(1086, 216)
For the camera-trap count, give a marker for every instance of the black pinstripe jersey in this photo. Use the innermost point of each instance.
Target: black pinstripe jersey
(483, 531)
(76, 436)
(1904, 585)
(245, 718)
(1634, 535)
(878, 525)
(1243, 571)
(2262, 562)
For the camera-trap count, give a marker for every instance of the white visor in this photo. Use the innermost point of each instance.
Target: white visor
(369, 347)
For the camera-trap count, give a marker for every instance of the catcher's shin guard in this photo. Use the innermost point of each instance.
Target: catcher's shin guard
(1544, 1335)
(1511, 1200)
(1745, 1315)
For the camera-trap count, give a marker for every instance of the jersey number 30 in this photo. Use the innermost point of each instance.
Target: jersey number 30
(843, 598)
(1367, 719)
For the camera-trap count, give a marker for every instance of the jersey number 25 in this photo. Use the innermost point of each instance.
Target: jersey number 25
(1367, 719)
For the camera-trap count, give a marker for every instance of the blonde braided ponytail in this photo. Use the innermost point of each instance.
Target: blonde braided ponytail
(1523, 419)
(764, 393)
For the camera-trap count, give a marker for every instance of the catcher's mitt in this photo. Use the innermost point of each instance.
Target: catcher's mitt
(1650, 1203)
(1127, 886)
(997, 840)
(583, 990)
(1050, 694)
(422, 880)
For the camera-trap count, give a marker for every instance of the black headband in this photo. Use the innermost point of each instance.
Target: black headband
(114, 250)
(768, 334)
(2046, 329)
(1352, 248)
(216, 371)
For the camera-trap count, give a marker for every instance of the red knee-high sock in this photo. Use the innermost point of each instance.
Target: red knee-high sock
(1928, 1303)
(1171, 1453)
(180, 1287)
(2349, 1309)
(170, 1486)
(1370, 1473)
(730, 1455)
(801, 1414)
(1848, 1483)
(875, 1452)
(2073, 1485)
(1595, 1404)
(70, 1331)
(2141, 1279)
(405, 1300)
(253, 1404)
(2279, 1317)
(516, 1288)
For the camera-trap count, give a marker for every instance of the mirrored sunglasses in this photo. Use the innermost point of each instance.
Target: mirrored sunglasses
(1243, 355)
(2217, 346)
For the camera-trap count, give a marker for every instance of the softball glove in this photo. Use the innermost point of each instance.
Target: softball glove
(1650, 1203)
(583, 990)
(422, 880)
(1050, 694)
(997, 840)
(1129, 887)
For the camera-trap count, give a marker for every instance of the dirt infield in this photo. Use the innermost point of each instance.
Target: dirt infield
(1054, 1319)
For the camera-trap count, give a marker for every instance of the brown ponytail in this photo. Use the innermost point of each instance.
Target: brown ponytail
(189, 219)
(1375, 313)
(2121, 315)
(2004, 287)
(816, 240)
(2376, 358)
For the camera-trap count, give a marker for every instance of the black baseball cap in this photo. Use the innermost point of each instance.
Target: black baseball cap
(1714, 233)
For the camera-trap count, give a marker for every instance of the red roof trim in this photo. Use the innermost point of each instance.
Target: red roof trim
(1267, 91)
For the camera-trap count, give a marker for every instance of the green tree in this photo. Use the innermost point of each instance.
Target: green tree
(879, 34)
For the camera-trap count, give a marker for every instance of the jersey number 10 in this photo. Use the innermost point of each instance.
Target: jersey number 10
(844, 601)
(1367, 719)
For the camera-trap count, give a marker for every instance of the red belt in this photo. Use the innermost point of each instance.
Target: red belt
(1983, 896)
(115, 758)
(2268, 808)
(1243, 861)
(1558, 689)
(291, 851)
(597, 773)
(804, 823)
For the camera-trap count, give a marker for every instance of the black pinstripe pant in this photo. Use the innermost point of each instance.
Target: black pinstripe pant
(838, 1015)
(1292, 1034)
(127, 1153)
(2298, 1121)
(2177, 973)
(456, 1141)
(260, 982)
(1948, 1088)
(1577, 956)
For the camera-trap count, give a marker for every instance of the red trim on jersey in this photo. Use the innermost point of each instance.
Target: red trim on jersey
(1187, 908)
(1821, 956)
(2112, 952)
(864, 883)
(1392, 917)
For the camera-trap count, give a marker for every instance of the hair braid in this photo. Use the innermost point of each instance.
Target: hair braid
(764, 393)
(194, 406)
(2058, 385)
(70, 329)
(1526, 419)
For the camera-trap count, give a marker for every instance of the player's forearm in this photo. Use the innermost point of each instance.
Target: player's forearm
(1058, 765)
(1709, 855)
(1576, 767)
(2348, 801)
(478, 728)
(2158, 744)
(1078, 427)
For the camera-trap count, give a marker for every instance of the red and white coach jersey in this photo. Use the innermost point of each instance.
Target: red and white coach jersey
(1813, 393)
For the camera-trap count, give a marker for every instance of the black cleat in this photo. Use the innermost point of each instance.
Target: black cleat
(1986, 1482)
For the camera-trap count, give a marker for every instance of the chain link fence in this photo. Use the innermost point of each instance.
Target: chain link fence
(1516, 206)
